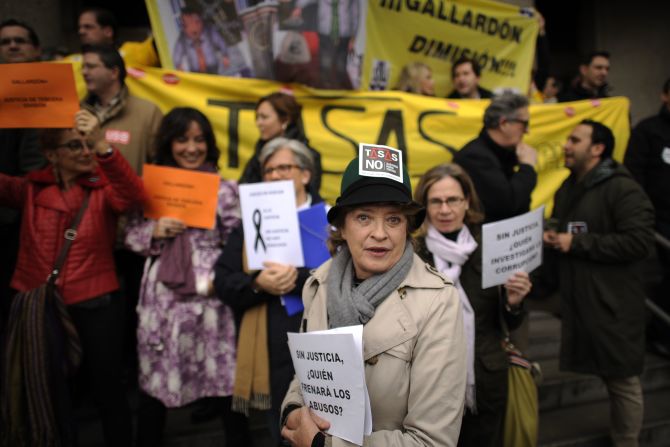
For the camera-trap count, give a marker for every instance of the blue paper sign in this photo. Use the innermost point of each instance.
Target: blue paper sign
(313, 234)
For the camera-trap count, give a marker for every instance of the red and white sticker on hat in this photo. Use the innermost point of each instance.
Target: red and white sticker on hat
(380, 161)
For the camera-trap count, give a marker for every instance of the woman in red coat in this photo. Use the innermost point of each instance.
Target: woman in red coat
(81, 163)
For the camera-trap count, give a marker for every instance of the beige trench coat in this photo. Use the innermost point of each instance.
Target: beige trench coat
(414, 352)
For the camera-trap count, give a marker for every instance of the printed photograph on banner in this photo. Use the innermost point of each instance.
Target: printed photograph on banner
(380, 161)
(319, 43)
(500, 38)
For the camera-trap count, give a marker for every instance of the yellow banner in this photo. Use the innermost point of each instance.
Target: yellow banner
(427, 130)
(499, 36)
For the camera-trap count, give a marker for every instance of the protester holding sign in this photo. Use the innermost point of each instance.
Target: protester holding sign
(186, 336)
(413, 340)
(279, 115)
(450, 240)
(90, 179)
(255, 295)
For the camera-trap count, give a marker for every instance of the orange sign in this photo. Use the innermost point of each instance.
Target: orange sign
(184, 194)
(37, 95)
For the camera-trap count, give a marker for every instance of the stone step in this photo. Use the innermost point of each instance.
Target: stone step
(563, 389)
(545, 336)
(587, 425)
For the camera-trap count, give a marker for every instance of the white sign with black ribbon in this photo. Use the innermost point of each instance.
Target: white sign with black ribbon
(270, 222)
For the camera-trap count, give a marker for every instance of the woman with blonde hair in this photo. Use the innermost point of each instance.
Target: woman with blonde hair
(416, 77)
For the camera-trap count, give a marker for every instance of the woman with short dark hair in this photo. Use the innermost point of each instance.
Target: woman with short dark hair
(279, 115)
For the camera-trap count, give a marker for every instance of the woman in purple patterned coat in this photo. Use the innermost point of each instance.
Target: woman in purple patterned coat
(186, 336)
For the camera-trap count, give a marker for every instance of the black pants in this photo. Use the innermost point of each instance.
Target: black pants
(129, 268)
(99, 323)
(9, 248)
(151, 416)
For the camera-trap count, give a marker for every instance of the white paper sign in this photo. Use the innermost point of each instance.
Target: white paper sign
(270, 221)
(511, 245)
(330, 369)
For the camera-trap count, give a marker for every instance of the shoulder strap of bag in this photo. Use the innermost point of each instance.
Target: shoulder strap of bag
(70, 235)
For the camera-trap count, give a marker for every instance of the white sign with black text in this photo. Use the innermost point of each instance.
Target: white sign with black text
(270, 221)
(511, 245)
(329, 366)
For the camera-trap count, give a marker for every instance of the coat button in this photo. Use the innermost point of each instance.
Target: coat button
(402, 292)
(372, 360)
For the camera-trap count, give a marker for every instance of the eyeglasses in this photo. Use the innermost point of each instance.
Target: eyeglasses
(524, 123)
(77, 145)
(281, 169)
(452, 202)
(17, 40)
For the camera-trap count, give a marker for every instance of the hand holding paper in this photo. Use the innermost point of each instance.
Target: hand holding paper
(167, 227)
(277, 278)
(302, 425)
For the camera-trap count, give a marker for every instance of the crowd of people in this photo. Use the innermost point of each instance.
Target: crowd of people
(175, 310)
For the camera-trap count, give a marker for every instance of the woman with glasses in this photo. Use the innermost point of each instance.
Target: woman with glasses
(255, 296)
(186, 336)
(450, 240)
(85, 173)
(279, 115)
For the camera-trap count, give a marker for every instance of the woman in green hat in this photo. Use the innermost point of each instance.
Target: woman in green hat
(413, 339)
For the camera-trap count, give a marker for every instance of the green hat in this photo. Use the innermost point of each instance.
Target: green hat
(381, 179)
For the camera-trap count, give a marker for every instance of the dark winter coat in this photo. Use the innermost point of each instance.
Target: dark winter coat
(235, 287)
(503, 192)
(252, 170)
(484, 428)
(577, 93)
(483, 94)
(648, 159)
(602, 298)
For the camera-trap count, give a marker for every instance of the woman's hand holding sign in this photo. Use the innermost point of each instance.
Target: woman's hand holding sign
(276, 278)
(168, 227)
(302, 426)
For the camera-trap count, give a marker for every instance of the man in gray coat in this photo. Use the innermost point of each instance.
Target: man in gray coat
(603, 227)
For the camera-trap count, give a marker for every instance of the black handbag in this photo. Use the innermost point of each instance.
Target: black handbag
(41, 350)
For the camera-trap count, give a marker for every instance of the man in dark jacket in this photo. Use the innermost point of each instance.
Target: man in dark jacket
(492, 157)
(648, 159)
(592, 81)
(604, 224)
(465, 74)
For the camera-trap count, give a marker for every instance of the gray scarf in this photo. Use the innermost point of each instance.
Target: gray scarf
(349, 305)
